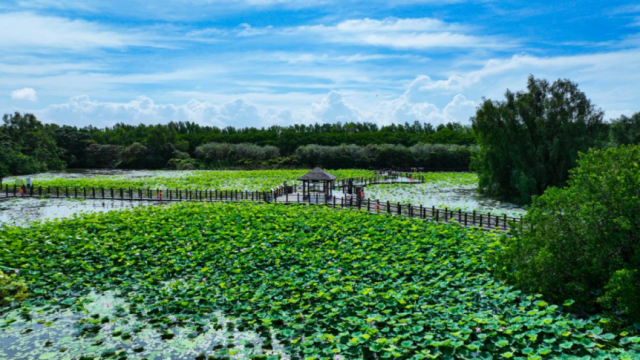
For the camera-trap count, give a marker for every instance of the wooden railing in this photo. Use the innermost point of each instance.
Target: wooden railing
(278, 195)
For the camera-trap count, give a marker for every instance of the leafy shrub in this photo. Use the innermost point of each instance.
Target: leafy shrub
(226, 154)
(386, 156)
(181, 164)
(583, 241)
(11, 290)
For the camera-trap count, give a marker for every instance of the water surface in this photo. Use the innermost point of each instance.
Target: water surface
(22, 212)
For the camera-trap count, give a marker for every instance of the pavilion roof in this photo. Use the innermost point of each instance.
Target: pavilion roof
(317, 174)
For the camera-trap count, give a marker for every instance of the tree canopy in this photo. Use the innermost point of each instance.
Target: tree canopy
(582, 242)
(530, 140)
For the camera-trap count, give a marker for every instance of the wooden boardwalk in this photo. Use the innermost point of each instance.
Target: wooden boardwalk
(281, 195)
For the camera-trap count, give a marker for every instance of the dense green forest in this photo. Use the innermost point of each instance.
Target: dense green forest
(29, 146)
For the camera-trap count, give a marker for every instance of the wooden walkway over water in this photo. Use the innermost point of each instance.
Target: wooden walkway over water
(281, 195)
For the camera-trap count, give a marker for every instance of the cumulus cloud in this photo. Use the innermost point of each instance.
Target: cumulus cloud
(409, 109)
(334, 108)
(26, 94)
(608, 78)
(82, 110)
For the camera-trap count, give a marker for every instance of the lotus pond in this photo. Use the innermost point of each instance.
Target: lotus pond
(242, 281)
(249, 180)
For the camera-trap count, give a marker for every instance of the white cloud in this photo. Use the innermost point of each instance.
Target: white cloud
(609, 79)
(56, 4)
(333, 108)
(246, 30)
(26, 94)
(81, 110)
(31, 31)
(412, 106)
(324, 58)
(417, 33)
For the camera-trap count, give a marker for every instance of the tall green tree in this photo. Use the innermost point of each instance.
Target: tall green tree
(530, 140)
(28, 145)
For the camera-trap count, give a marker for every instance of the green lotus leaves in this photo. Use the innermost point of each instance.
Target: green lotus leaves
(248, 281)
(240, 180)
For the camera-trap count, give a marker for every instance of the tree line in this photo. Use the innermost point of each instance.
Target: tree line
(29, 146)
(426, 156)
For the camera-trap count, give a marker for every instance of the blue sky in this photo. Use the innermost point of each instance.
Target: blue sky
(264, 62)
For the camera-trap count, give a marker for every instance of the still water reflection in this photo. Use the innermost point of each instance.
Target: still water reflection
(22, 212)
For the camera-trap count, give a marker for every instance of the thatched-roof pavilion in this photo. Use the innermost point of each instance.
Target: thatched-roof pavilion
(317, 181)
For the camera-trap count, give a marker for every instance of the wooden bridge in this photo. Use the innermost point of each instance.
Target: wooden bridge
(280, 195)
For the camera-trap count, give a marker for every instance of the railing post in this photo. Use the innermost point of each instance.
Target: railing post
(388, 207)
(481, 220)
(437, 215)
(465, 219)
(399, 209)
